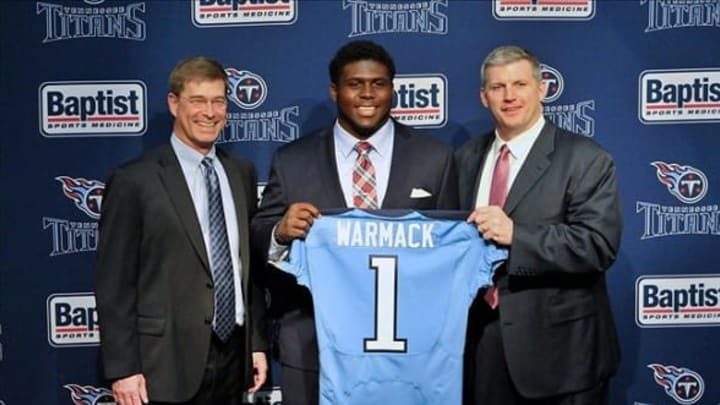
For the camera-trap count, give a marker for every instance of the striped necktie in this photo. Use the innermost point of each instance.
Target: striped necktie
(220, 259)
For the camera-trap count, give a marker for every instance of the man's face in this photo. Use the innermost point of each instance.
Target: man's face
(200, 113)
(363, 96)
(513, 96)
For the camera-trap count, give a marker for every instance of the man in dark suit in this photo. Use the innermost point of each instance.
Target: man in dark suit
(545, 334)
(162, 261)
(316, 172)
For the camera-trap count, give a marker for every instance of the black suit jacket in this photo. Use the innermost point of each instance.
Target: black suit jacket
(556, 324)
(306, 171)
(154, 287)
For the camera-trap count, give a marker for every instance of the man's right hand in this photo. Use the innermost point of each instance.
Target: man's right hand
(296, 222)
(130, 390)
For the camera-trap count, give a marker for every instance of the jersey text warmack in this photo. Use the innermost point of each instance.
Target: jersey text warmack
(385, 234)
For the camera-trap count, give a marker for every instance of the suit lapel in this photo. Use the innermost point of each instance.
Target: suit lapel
(239, 193)
(172, 177)
(475, 165)
(400, 170)
(535, 165)
(334, 197)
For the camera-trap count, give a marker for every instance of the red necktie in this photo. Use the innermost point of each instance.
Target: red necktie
(501, 176)
(364, 193)
(498, 193)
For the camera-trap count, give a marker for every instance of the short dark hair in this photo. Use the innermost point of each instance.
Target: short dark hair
(356, 51)
(199, 67)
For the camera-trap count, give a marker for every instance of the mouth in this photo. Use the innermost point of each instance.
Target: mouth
(513, 110)
(206, 124)
(366, 111)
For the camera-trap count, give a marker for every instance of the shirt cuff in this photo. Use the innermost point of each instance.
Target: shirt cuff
(277, 251)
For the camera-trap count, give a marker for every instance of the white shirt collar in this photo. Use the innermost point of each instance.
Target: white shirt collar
(520, 145)
(187, 154)
(381, 140)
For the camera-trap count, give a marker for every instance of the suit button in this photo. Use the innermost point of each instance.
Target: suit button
(208, 320)
(209, 285)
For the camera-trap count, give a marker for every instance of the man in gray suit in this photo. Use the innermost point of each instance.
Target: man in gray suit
(161, 262)
(315, 172)
(545, 335)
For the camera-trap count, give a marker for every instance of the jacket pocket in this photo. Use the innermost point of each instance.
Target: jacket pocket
(571, 308)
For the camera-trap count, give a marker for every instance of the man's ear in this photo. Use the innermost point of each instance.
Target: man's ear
(333, 92)
(172, 101)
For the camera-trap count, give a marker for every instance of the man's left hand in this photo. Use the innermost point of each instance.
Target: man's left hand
(260, 369)
(493, 224)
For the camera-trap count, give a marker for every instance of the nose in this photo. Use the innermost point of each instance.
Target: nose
(509, 93)
(209, 109)
(367, 91)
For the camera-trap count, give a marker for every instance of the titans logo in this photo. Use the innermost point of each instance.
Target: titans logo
(554, 83)
(247, 89)
(686, 183)
(89, 395)
(87, 194)
(681, 384)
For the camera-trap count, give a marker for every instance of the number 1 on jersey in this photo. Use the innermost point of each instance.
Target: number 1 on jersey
(385, 339)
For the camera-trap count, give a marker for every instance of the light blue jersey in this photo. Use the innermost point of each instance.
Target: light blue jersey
(391, 298)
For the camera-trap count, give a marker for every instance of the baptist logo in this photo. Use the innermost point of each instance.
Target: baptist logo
(87, 194)
(679, 96)
(683, 385)
(543, 9)
(686, 183)
(72, 320)
(233, 13)
(93, 109)
(670, 14)
(676, 301)
(572, 117)
(121, 22)
(89, 395)
(247, 89)
(382, 17)
(554, 83)
(420, 100)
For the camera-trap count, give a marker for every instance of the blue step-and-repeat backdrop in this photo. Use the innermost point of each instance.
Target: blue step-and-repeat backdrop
(83, 88)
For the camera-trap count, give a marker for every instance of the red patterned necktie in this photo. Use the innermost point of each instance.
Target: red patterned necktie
(498, 193)
(364, 192)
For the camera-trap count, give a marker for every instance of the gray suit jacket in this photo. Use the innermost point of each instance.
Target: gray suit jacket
(557, 327)
(305, 170)
(154, 287)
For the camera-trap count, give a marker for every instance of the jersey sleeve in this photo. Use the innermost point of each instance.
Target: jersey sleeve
(495, 256)
(488, 257)
(296, 262)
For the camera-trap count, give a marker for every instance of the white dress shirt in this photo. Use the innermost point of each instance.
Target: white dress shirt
(381, 157)
(190, 162)
(519, 148)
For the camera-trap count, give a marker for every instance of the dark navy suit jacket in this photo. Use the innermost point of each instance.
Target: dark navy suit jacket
(305, 171)
(556, 324)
